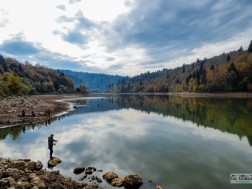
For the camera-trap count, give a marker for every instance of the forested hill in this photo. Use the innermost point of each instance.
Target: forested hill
(227, 72)
(17, 78)
(94, 82)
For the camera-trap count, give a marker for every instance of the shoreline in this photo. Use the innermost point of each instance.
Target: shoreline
(192, 94)
(11, 109)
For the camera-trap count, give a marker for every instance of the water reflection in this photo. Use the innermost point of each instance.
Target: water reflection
(176, 142)
(227, 115)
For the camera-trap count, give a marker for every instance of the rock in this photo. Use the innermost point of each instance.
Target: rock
(83, 177)
(36, 181)
(1, 174)
(19, 164)
(38, 166)
(88, 171)
(79, 170)
(159, 187)
(53, 162)
(109, 176)
(8, 183)
(24, 184)
(133, 182)
(31, 166)
(118, 182)
(13, 172)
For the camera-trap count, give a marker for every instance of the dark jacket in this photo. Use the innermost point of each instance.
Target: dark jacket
(50, 142)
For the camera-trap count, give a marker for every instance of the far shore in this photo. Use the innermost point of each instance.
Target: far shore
(193, 94)
(37, 109)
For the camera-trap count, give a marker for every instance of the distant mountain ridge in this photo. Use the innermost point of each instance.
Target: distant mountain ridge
(94, 82)
(228, 72)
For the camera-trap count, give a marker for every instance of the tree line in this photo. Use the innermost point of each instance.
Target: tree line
(17, 78)
(228, 72)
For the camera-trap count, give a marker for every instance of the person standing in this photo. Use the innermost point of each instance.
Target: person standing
(50, 144)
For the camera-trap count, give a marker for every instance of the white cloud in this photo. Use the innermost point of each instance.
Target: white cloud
(105, 10)
(124, 37)
(209, 50)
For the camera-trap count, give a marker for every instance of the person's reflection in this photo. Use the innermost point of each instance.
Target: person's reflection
(51, 142)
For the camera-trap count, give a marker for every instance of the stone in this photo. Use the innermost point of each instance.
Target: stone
(118, 182)
(31, 165)
(24, 160)
(13, 172)
(53, 162)
(79, 170)
(24, 184)
(36, 181)
(8, 183)
(159, 187)
(19, 164)
(83, 177)
(99, 180)
(133, 182)
(88, 171)
(38, 166)
(109, 176)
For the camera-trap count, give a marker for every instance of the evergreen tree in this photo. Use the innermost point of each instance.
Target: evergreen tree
(228, 57)
(183, 68)
(250, 47)
(232, 67)
(3, 63)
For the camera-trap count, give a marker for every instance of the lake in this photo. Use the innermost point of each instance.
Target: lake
(175, 142)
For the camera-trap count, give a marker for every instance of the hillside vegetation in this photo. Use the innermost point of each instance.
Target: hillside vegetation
(227, 72)
(17, 78)
(94, 82)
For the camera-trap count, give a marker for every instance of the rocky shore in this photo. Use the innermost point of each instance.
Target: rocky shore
(36, 109)
(28, 174)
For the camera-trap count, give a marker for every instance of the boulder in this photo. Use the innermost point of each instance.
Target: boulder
(79, 170)
(19, 164)
(8, 183)
(13, 172)
(118, 182)
(83, 177)
(53, 162)
(38, 166)
(38, 182)
(159, 187)
(31, 165)
(109, 176)
(132, 182)
(89, 171)
(23, 184)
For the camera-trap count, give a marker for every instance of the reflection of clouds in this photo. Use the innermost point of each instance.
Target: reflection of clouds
(7, 152)
(100, 137)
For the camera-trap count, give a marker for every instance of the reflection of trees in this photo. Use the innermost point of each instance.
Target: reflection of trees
(227, 115)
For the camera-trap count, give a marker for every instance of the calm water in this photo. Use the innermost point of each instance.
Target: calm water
(176, 142)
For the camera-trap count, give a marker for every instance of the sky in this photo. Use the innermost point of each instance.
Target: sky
(122, 37)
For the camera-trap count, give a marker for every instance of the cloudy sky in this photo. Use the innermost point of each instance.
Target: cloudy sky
(124, 37)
